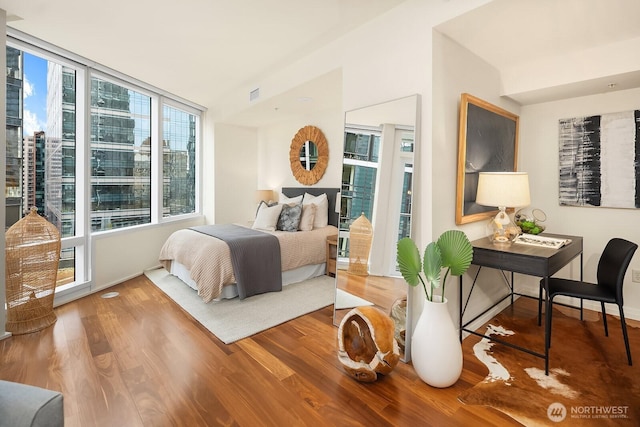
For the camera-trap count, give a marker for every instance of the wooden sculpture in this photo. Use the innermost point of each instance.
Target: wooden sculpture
(398, 313)
(366, 344)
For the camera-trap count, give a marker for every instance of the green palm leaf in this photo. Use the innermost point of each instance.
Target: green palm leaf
(456, 251)
(409, 261)
(452, 251)
(432, 265)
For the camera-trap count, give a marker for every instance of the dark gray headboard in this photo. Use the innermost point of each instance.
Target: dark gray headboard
(334, 217)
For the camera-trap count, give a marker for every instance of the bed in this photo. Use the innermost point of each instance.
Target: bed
(204, 262)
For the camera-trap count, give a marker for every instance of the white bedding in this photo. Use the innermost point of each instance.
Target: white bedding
(230, 291)
(208, 260)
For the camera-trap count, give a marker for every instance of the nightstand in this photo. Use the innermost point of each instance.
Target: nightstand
(332, 254)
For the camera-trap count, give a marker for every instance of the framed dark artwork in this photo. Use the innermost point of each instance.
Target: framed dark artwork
(600, 160)
(487, 142)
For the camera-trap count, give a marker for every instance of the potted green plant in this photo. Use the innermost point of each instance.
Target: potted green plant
(436, 352)
(452, 251)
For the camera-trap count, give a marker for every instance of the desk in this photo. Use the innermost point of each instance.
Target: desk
(524, 259)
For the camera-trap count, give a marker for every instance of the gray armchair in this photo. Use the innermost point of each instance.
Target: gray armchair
(24, 405)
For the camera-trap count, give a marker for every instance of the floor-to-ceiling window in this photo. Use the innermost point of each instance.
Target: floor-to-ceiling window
(81, 144)
(179, 161)
(120, 156)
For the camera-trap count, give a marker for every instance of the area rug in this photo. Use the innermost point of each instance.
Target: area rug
(589, 384)
(234, 319)
(346, 300)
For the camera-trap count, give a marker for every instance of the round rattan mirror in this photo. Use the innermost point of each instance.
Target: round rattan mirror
(306, 168)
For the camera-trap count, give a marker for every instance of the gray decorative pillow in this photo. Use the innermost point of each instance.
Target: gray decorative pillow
(289, 219)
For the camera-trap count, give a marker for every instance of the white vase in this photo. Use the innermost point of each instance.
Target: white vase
(436, 352)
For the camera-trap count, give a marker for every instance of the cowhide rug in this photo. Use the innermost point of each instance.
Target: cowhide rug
(590, 382)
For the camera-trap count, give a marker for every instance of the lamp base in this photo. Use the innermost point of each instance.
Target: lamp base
(501, 229)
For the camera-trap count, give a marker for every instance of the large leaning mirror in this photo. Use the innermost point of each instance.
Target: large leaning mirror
(375, 210)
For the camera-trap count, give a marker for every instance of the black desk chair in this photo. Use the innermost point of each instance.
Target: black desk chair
(611, 270)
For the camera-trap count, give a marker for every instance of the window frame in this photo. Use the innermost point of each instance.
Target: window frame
(83, 240)
(156, 165)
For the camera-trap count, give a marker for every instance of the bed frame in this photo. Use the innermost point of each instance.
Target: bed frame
(334, 217)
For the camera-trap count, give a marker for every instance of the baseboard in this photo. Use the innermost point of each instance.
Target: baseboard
(5, 335)
(87, 289)
(72, 294)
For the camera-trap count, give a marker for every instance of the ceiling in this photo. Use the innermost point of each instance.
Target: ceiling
(200, 50)
(203, 50)
(522, 34)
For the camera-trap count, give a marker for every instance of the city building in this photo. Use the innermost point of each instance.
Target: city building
(33, 172)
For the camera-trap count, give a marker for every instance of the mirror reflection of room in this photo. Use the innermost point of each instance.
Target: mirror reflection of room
(375, 209)
(308, 155)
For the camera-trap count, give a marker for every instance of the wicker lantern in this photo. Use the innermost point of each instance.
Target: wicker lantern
(32, 256)
(360, 236)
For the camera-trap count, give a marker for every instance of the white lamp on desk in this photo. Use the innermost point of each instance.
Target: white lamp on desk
(504, 190)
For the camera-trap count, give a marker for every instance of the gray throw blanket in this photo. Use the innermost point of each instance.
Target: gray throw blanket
(255, 257)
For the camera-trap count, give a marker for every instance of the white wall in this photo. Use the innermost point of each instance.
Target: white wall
(274, 142)
(249, 159)
(235, 165)
(123, 254)
(539, 156)
(456, 70)
(392, 57)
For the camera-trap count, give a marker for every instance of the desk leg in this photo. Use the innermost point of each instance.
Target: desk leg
(581, 300)
(511, 287)
(540, 306)
(547, 325)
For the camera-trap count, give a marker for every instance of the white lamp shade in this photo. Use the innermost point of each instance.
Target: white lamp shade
(503, 189)
(266, 195)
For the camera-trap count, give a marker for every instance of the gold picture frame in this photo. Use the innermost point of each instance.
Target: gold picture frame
(487, 142)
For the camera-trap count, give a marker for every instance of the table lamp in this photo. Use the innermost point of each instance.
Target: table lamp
(264, 195)
(503, 189)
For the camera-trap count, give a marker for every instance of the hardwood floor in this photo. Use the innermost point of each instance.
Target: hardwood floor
(139, 360)
(380, 290)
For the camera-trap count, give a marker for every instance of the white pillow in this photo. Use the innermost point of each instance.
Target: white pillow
(288, 201)
(308, 214)
(267, 217)
(321, 218)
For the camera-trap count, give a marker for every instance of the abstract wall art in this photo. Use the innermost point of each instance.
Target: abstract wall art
(600, 160)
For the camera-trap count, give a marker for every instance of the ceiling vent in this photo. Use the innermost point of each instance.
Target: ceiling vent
(254, 94)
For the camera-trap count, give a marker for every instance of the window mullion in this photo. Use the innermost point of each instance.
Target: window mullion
(83, 177)
(156, 159)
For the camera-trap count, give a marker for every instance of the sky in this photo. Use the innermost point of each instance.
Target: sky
(34, 94)
(35, 99)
